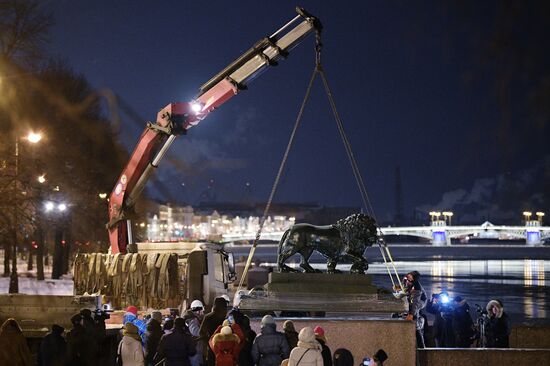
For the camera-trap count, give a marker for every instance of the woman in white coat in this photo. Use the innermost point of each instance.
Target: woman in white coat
(308, 352)
(130, 349)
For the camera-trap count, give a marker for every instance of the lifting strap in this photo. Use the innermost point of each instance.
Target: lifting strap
(384, 250)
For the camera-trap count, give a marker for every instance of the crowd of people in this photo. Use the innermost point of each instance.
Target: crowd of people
(453, 324)
(224, 336)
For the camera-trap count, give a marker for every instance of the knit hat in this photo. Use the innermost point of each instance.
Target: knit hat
(380, 355)
(306, 335)
(288, 326)
(268, 320)
(226, 330)
(87, 313)
(132, 309)
(57, 329)
(157, 315)
(76, 319)
(319, 333)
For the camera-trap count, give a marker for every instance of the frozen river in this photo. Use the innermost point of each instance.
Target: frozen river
(521, 283)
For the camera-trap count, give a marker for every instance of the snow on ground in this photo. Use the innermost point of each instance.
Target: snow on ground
(29, 285)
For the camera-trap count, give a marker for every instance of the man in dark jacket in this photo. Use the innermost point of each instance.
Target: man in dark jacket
(325, 351)
(209, 325)
(176, 347)
(442, 309)
(53, 349)
(270, 348)
(463, 325)
(95, 333)
(78, 344)
(152, 337)
(498, 327)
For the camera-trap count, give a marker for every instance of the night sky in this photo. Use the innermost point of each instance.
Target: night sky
(406, 78)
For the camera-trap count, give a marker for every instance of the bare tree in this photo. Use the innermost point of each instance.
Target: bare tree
(24, 30)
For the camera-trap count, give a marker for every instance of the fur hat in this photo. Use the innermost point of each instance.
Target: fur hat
(495, 304)
(132, 309)
(288, 326)
(268, 320)
(307, 335)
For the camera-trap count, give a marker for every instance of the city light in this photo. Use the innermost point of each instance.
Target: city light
(34, 137)
(41, 179)
(49, 206)
(102, 195)
(62, 207)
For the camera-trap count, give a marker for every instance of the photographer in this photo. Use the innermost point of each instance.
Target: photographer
(498, 327)
(463, 325)
(416, 298)
(440, 306)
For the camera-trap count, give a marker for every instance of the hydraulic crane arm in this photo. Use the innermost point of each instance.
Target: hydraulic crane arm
(176, 118)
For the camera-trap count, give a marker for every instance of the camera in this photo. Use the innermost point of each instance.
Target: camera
(101, 314)
(480, 310)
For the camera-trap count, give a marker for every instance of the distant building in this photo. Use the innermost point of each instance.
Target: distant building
(212, 220)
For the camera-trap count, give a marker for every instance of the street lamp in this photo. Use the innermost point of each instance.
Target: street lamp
(33, 138)
(448, 215)
(41, 179)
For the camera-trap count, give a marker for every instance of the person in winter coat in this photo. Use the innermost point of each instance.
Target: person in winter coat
(78, 343)
(498, 327)
(193, 319)
(270, 348)
(325, 350)
(342, 357)
(463, 325)
(53, 349)
(416, 299)
(131, 316)
(129, 348)
(290, 333)
(209, 325)
(442, 310)
(152, 336)
(94, 332)
(13, 345)
(177, 347)
(245, 356)
(226, 347)
(308, 352)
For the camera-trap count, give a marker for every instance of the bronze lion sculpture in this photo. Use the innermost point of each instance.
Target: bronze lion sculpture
(349, 238)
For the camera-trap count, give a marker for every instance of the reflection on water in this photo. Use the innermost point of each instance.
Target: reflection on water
(520, 284)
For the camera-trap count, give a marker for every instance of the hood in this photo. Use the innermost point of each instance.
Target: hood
(307, 335)
(128, 318)
(496, 304)
(268, 329)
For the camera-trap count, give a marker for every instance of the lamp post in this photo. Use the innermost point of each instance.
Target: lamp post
(448, 216)
(527, 215)
(14, 280)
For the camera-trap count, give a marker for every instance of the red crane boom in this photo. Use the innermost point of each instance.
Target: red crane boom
(176, 118)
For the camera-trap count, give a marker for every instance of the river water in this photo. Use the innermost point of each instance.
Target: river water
(521, 284)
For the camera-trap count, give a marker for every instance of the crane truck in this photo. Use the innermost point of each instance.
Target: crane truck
(164, 275)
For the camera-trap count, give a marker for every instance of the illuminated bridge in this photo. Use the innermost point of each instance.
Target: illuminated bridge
(439, 233)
